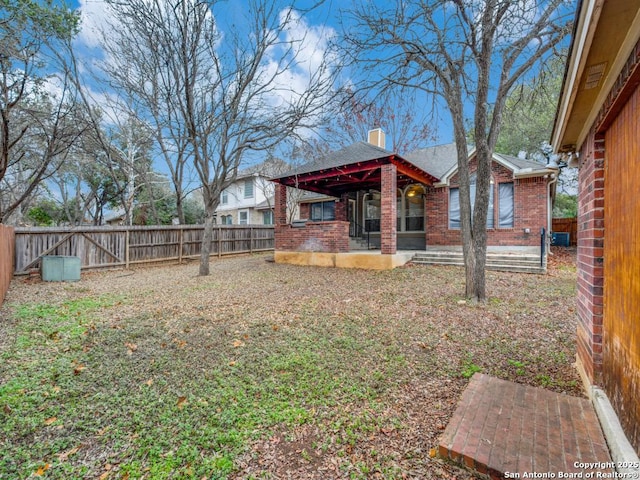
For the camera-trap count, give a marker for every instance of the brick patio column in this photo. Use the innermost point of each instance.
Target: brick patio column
(388, 207)
(280, 205)
(591, 257)
(341, 208)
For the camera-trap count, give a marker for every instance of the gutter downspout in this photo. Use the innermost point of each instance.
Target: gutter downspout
(554, 180)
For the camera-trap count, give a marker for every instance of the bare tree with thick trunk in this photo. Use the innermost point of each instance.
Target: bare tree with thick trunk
(471, 53)
(232, 88)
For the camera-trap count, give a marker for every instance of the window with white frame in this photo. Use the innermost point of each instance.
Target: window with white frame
(224, 197)
(267, 217)
(226, 220)
(505, 205)
(323, 211)
(454, 204)
(248, 188)
(243, 217)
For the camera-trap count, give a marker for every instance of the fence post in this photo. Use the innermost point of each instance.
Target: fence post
(219, 242)
(181, 244)
(126, 249)
(250, 239)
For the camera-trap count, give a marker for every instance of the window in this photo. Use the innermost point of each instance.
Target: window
(323, 211)
(414, 209)
(226, 220)
(505, 205)
(224, 197)
(243, 217)
(267, 217)
(372, 212)
(398, 210)
(454, 204)
(248, 188)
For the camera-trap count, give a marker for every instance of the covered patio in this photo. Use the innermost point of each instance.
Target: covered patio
(361, 167)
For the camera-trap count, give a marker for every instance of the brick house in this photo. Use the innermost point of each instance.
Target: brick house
(598, 126)
(408, 202)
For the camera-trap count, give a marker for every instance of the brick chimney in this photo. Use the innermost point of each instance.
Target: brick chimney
(377, 138)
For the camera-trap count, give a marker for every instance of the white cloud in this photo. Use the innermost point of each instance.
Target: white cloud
(94, 15)
(299, 56)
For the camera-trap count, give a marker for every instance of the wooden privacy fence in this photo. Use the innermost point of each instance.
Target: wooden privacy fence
(566, 225)
(6, 259)
(99, 247)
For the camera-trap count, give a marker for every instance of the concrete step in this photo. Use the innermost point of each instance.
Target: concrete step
(357, 244)
(507, 262)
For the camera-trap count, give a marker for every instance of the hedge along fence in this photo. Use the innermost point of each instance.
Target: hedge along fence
(100, 247)
(6, 259)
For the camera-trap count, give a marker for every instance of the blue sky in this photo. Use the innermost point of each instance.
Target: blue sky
(326, 18)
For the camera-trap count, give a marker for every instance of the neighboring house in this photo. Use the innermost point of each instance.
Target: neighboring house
(599, 119)
(249, 199)
(423, 201)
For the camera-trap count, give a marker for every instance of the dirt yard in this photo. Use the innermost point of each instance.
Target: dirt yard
(263, 370)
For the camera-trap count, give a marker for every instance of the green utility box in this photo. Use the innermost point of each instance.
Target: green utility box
(59, 268)
(560, 239)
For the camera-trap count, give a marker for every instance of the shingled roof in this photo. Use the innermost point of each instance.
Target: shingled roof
(357, 153)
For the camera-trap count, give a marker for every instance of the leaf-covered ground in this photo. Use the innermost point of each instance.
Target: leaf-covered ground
(263, 370)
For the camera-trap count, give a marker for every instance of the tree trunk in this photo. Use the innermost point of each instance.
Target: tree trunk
(207, 237)
(479, 226)
(180, 208)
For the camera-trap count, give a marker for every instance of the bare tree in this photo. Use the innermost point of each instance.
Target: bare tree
(470, 53)
(231, 89)
(393, 109)
(37, 125)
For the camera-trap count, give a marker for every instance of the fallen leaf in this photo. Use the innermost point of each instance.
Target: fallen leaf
(238, 343)
(65, 455)
(181, 402)
(149, 382)
(432, 453)
(7, 409)
(104, 475)
(131, 346)
(49, 421)
(232, 363)
(42, 469)
(79, 368)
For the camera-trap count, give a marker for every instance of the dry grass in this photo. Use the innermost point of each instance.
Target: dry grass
(263, 370)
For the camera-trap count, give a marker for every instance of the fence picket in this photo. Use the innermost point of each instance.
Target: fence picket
(99, 247)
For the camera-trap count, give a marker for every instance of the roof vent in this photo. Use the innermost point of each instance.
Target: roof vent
(594, 74)
(377, 138)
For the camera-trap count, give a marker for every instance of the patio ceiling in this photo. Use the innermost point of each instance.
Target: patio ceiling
(351, 177)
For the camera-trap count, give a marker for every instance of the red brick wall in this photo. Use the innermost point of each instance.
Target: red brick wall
(280, 205)
(388, 209)
(590, 256)
(530, 211)
(305, 211)
(332, 237)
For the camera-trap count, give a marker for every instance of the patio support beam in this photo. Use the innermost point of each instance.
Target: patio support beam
(280, 205)
(388, 207)
(341, 208)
